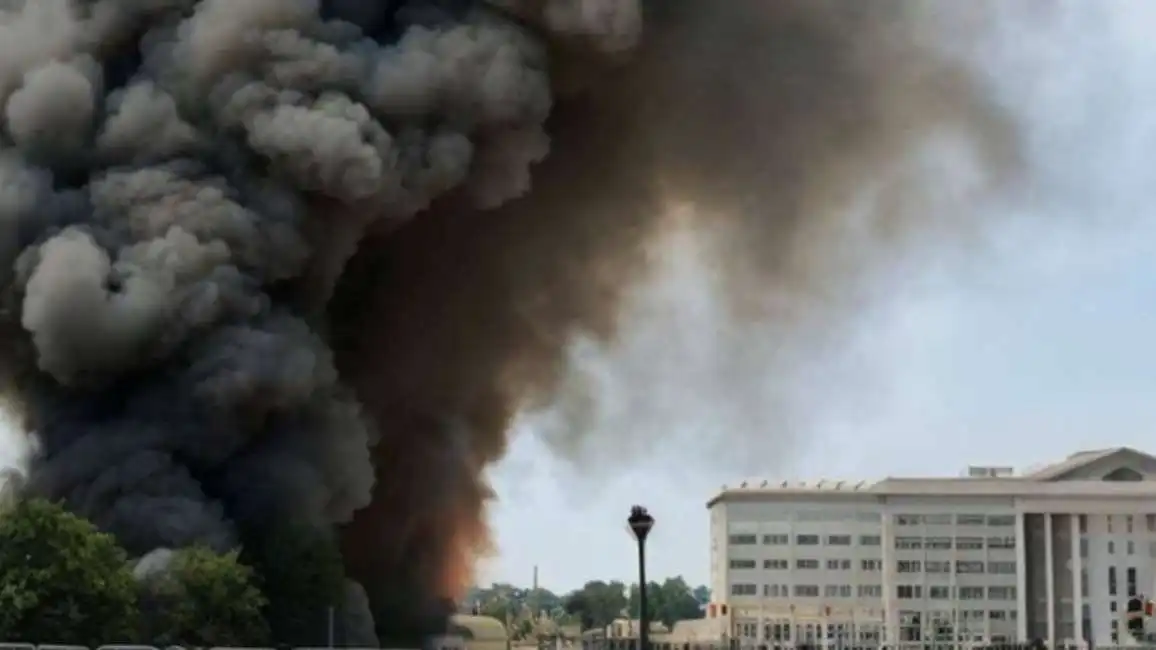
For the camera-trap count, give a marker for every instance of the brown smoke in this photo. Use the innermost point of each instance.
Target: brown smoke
(793, 129)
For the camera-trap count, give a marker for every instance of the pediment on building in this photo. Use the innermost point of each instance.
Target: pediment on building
(1115, 464)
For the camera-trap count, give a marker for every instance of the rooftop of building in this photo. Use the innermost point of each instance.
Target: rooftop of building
(1111, 472)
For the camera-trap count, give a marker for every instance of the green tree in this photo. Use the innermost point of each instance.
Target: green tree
(668, 602)
(597, 603)
(300, 571)
(678, 602)
(702, 595)
(206, 600)
(61, 580)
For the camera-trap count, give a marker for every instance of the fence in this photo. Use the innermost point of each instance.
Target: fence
(50, 646)
(737, 644)
(437, 645)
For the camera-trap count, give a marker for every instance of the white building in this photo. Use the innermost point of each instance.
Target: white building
(1053, 554)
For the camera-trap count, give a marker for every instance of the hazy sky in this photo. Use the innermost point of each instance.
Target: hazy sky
(1038, 345)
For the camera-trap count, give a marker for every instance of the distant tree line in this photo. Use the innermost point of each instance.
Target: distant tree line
(595, 604)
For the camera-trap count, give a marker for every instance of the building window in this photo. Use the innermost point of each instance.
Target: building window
(938, 543)
(1151, 523)
(1001, 520)
(807, 540)
(776, 565)
(1131, 573)
(1001, 568)
(1001, 593)
(1131, 547)
(969, 543)
(807, 591)
(838, 540)
(743, 564)
(806, 563)
(971, 593)
(869, 540)
(968, 567)
(744, 589)
(870, 591)
(1084, 547)
(937, 566)
(1083, 524)
(909, 543)
(939, 593)
(1001, 542)
(772, 591)
(909, 592)
(776, 540)
(970, 520)
(908, 520)
(909, 566)
(1128, 523)
(1111, 581)
(872, 565)
(838, 565)
(837, 591)
(937, 520)
(1111, 546)
(997, 615)
(744, 540)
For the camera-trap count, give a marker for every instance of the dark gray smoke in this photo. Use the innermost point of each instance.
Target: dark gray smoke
(303, 260)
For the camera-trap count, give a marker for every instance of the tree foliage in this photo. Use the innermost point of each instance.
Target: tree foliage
(599, 603)
(671, 601)
(61, 580)
(300, 571)
(208, 600)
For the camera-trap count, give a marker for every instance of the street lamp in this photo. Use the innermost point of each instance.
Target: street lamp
(640, 523)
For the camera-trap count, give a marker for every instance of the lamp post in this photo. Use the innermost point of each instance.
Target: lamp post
(640, 523)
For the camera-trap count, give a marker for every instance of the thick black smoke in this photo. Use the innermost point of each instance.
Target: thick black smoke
(273, 260)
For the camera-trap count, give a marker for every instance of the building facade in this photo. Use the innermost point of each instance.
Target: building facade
(1054, 554)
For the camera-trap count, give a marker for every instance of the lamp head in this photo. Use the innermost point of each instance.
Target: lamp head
(640, 523)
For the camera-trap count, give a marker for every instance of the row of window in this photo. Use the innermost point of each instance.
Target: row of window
(837, 564)
(903, 592)
(902, 566)
(909, 618)
(960, 520)
(809, 633)
(959, 543)
(1131, 577)
(807, 591)
(1130, 548)
(944, 592)
(1129, 524)
(901, 542)
(749, 539)
(961, 566)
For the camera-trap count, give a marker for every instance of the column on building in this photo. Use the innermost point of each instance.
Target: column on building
(1050, 578)
(761, 594)
(1021, 578)
(890, 606)
(1077, 569)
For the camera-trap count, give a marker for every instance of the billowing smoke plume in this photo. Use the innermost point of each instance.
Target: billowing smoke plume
(303, 260)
